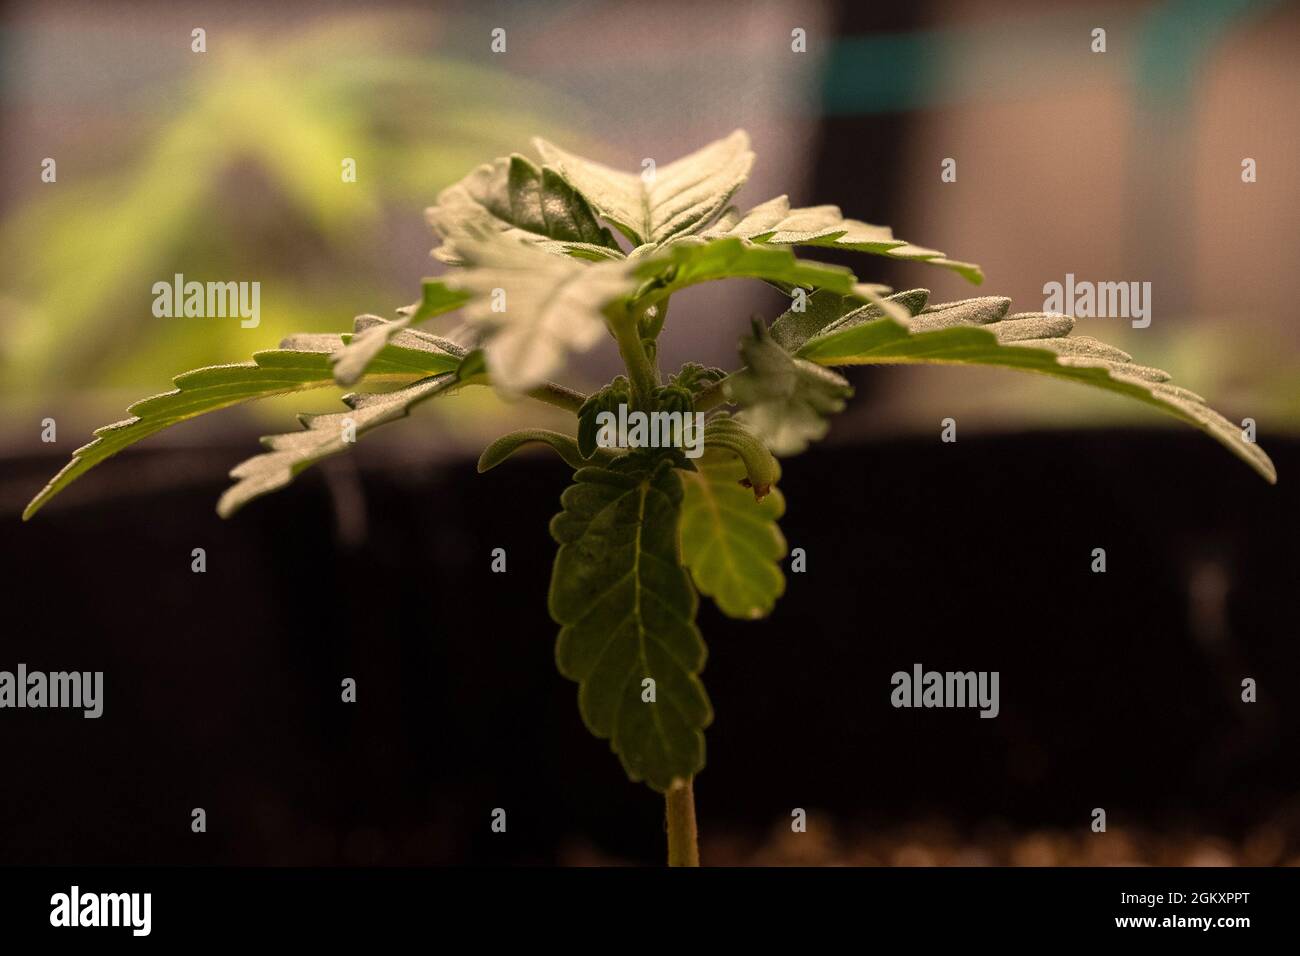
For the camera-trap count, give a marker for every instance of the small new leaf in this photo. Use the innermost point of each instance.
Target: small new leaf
(627, 610)
(730, 542)
(513, 196)
(762, 470)
(681, 197)
(786, 400)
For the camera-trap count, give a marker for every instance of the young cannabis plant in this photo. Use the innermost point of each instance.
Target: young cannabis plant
(537, 274)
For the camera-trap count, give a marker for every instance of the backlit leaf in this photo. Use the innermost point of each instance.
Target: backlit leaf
(370, 333)
(775, 222)
(301, 363)
(290, 454)
(785, 399)
(979, 332)
(533, 308)
(730, 542)
(513, 196)
(679, 198)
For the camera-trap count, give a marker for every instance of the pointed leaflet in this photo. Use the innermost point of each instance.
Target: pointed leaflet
(825, 310)
(370, 333)
(301, 363)
(784, 399)
(681, 197)
(514, 197)
(775, 222)
(290, 454)
(535, 308)
(692, 260)
(730, 542)
(979, 332)
(627, 610)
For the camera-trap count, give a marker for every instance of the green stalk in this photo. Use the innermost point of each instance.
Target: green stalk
(560, 396)
(641, 372)
(683, 848)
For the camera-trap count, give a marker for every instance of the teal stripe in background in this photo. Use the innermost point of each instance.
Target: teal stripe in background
(1004, 59)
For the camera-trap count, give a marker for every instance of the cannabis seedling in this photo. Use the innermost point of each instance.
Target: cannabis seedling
(537, 274)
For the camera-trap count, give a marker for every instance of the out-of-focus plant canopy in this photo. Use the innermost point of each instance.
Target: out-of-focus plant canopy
(244, 182)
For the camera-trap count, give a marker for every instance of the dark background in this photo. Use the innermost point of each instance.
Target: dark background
(222, 689)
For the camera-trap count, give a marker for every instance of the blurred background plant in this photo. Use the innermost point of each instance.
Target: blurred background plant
(234, 170)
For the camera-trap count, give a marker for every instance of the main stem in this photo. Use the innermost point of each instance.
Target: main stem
(642, 373)
(683, 848)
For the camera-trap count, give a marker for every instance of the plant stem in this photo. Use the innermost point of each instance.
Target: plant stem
(640, 370)
(661, 315)
(558, 395)
(683, 849)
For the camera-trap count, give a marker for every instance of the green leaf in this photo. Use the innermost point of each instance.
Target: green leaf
(825, 309)
(513, 196)
(627, 610)
(534, 308)
(786, 400)
(324, 435)
(775, 222)
(370, 333)
(692, 260)
(681, 197)
(564, 446)
(301, 363)
(730, 542)
(762, 470)
(979, 332)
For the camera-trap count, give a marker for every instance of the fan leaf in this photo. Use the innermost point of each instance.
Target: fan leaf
(979, 332)
(290, 454)
(627, 613)
(301, 363)
(370, 333)
(775, 222)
